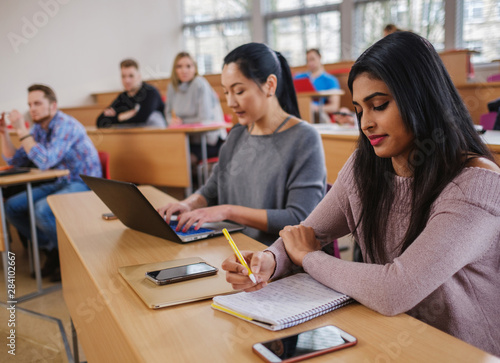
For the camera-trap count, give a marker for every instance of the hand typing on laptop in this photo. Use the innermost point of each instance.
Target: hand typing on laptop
(193, 210)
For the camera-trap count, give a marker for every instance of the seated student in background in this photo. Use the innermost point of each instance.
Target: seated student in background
(191, 100)
(323, 81)
(421, 195)
(140, 104)
(390, 28)
(271, 170)
(57, 141)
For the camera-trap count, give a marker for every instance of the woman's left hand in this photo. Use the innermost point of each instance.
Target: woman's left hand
(299, 241)
(202, 215)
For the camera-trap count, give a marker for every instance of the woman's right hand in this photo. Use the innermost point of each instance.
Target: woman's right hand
(175, 121)
(173, 208)
(262, 264)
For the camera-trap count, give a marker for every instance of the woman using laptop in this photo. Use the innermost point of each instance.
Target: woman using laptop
(421, 195)
(271, 171)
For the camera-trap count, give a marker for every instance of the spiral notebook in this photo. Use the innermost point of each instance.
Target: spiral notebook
(283, 303)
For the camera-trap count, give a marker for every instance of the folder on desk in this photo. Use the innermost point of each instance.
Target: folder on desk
(156, 297)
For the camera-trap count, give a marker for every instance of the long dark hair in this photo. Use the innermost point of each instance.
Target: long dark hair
(433, 111)
(257, 61)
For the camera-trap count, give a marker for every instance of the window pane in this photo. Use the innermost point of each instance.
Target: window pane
(294, 35)
(481, 29)
(210, 43)
(281, 5)
(205, 10)
(424, 17)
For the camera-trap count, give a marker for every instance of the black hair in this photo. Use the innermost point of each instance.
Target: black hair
(433, 111)
(257, 62)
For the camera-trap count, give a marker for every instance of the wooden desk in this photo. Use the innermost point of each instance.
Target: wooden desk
(26, 178)
(87, 115)
(149, 155)
(304, 100)
(114, 325)
(339, 144)
(476, 97)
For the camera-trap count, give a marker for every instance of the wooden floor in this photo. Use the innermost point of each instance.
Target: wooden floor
(38, 335)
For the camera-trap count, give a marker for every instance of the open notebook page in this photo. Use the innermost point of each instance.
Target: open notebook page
(288, 301)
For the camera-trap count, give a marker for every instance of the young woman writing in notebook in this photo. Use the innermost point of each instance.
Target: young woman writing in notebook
(421, 195)
(271, 171)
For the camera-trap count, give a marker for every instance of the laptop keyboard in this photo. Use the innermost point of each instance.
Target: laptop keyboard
(190, 231)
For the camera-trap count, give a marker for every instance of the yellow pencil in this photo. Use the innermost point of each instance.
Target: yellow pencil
(239, 255)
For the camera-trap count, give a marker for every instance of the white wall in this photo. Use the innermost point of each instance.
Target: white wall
(75, 46)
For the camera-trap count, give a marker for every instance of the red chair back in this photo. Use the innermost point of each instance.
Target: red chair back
(494, 78)
(335, 243)
(487, 120)
(104, 158)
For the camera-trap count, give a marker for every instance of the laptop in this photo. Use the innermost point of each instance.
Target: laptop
(303, 84)
(132, 208)
(11, 170)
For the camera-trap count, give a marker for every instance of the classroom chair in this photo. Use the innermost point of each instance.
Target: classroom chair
(493, 78)
(228, 119)
(334, 248)
(104, 159)
(199, 169)
(487, 120)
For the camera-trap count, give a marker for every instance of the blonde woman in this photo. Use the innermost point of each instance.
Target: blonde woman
(191, 100)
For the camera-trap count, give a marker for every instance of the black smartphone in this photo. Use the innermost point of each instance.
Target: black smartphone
(181, 273)
(304, 345)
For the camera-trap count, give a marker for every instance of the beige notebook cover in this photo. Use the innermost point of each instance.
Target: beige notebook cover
(155, 296)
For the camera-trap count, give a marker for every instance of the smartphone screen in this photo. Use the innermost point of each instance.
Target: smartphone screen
(181, 273)
(306, 344)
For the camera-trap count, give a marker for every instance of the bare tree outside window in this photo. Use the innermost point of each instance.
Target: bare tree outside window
(424, 17)
(212, 28)
(481, 29)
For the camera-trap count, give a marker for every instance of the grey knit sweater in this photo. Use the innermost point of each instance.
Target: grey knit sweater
(283, 173)
(195, 102)
(449, 277)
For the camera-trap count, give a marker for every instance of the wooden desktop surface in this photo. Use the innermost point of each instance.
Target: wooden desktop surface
(32, 176)
(114, 325)
(339, 144)
(304, 101)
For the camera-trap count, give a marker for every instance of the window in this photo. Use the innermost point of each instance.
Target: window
(481, 29)
(473, 11)
(213, 28)
(298, 25)
(424, 17)
(282, 5)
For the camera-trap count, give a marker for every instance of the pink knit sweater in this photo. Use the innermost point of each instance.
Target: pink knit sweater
(449, 277)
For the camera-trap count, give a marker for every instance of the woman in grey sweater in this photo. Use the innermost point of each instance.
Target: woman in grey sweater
(271, 171)
(421, 195)
(191, 100)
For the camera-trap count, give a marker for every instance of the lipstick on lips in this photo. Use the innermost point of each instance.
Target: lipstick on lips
(376, 139)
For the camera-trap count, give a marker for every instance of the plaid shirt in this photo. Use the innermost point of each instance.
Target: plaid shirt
(64, 145)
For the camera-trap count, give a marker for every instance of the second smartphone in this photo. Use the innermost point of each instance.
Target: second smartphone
(304, 345)
(181, 273)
